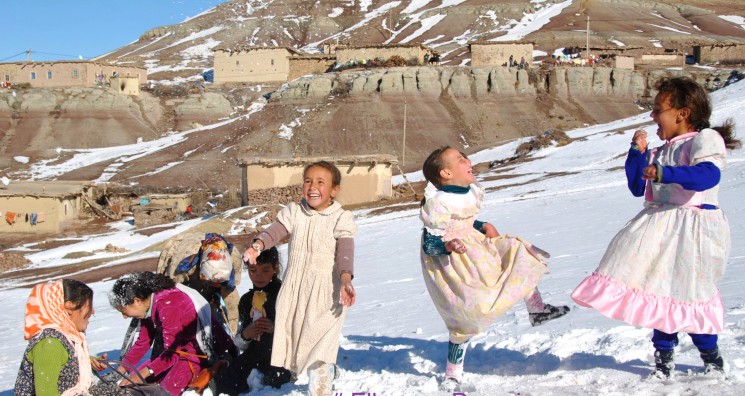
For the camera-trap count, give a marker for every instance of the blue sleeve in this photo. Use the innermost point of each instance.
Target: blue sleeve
(636, 161)
(699, 177)
(479, 226)
(433, 245)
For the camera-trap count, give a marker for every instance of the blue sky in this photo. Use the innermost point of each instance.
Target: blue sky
(55, 29)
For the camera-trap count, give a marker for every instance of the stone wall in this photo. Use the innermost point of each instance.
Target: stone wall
(720, 53)
(301, 66)
(276, 195)
(416, 53)
(472, 82)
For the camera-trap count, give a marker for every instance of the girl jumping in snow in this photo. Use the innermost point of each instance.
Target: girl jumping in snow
(473, 274)
(660, 271)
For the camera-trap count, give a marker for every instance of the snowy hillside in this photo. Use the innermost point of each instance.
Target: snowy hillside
(569, 201)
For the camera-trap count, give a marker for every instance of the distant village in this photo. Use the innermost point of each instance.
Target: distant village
(46, 207)
(253, 64)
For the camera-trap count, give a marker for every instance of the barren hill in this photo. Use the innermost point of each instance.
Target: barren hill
(214, 126)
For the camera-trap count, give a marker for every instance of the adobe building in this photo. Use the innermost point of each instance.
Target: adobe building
(365, 178)
(497, 53)
(72, 74)
(253, 64)
(41, 207)
(414, 53)
(723, 53)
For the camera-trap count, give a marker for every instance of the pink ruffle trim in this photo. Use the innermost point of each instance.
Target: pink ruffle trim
(618, 301)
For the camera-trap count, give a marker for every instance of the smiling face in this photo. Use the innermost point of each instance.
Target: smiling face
(318, 188)
(261, 274)
(81, 316)
(671, 122)
(137, 309)
(457, 169)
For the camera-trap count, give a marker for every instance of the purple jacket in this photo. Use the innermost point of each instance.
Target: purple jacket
(172, 313)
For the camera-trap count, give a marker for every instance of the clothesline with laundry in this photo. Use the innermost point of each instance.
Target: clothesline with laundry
(29, 217)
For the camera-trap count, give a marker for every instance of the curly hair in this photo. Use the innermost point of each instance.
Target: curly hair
(138, 285)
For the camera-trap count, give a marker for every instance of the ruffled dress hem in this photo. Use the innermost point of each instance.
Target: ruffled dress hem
(639, 308)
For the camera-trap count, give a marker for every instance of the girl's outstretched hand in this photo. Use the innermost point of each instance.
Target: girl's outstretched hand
(348, 294)
(249, 256)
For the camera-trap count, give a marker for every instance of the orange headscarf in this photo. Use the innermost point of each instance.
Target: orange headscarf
(45, 309)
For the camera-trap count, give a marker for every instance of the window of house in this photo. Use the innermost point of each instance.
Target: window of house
(75, 73)
(7, 77)
(49, 75)
(272, 62)
(237, 63)
(33, 75)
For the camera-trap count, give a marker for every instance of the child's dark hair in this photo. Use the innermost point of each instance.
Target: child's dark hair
(270, 256)
(138, 285)
(335, 173)
(683, 92)
(77, 292)
(433, 165)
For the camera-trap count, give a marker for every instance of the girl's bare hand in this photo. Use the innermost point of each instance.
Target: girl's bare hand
(640, 139)
(456, 245)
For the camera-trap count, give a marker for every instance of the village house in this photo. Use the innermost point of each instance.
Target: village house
(253, 64)
(73, 74)
(724, 53)
(365, 178)
(413, 53)
(498, 53)
(41, 207)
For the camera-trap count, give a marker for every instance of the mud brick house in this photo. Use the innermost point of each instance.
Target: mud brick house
(497, 53)
(41, 207)
(73, 74)
(364, 178)
(253, 64)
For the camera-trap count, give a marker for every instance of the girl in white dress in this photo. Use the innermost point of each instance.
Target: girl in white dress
(317, 286)
(660, 271)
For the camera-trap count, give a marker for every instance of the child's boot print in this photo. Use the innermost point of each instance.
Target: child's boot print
(663, 363)
(713, 362)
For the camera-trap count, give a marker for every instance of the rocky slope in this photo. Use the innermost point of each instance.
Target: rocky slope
(351, 112)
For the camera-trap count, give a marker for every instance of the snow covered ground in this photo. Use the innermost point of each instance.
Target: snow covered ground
(570, 201)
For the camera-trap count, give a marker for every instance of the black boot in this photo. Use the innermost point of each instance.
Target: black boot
(663, 363)
(549, 312)
(713, 361)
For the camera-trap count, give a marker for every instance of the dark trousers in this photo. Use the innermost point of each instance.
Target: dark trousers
(232, 379)
(666, 342)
